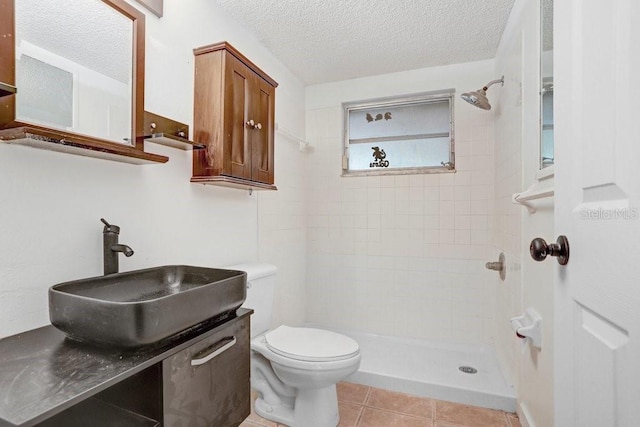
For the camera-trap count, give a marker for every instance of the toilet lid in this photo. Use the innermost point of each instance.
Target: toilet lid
(312, 345)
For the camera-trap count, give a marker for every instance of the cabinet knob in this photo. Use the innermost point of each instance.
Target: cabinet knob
(258, 126)
(251, 124)
(539, 249)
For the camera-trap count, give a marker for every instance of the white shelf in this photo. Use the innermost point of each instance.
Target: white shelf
(532, 194)
(172, 141)
(292, 137)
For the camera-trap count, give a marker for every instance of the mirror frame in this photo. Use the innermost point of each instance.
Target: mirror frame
(541, 166)
(15, 132)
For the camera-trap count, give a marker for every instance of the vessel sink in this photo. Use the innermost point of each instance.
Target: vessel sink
(142, 307)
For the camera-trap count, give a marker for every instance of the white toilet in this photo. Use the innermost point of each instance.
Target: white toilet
(294, 370)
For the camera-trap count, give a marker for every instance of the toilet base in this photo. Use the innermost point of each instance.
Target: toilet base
(282, 414)
(311, 408)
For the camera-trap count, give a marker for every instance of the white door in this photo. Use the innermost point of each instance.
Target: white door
(597, 200)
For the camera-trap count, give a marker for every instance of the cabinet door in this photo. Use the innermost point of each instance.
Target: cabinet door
(239, 85)
(208, 114)
(207, 384)
(262, 149)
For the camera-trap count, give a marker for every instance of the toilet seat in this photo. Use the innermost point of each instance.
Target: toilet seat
(310, 345)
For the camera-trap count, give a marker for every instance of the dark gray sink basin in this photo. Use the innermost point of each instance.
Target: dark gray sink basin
(145, 306)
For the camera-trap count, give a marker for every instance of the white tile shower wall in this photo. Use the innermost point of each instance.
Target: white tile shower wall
(401, 254)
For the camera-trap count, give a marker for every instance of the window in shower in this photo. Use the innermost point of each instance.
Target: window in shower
(411, 134)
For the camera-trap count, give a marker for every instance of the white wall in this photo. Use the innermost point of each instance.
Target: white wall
(52, 202)
(401, 255)
(507, 226)
(282, 237)
(528, 283)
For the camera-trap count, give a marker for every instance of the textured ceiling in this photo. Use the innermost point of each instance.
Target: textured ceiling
(330, 40)
(89, 33)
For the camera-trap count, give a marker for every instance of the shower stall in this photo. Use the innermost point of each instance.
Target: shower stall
(461, 373)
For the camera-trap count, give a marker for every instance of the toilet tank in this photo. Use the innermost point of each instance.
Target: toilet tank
(261, 288)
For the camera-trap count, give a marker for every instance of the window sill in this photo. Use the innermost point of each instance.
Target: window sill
(407, 171)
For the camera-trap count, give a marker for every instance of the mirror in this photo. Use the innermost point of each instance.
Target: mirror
(74, 70)
(546, 84)
(56, 70)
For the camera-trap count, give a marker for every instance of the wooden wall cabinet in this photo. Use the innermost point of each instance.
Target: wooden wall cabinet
(234, 104)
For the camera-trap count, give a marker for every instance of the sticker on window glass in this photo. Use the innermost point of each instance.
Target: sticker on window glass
(379, 116)
(379, 156)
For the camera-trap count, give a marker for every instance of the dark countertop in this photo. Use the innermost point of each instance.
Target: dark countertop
(43, 373)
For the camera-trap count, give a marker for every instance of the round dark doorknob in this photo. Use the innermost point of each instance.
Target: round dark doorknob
(539, 249)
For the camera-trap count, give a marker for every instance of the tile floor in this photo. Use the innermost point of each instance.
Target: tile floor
(362, 406)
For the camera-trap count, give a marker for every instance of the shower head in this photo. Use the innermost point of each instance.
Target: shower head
(479, 97)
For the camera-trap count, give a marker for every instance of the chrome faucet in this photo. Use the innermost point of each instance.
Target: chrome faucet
(111, 247)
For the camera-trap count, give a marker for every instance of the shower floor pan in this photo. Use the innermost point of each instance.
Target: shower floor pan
(432, 369)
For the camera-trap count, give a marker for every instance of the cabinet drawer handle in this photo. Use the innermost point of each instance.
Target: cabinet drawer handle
(218, 348)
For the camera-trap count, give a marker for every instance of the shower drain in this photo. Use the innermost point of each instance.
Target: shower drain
(468, 369)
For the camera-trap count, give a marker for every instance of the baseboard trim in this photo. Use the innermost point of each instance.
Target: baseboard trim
(524, 416)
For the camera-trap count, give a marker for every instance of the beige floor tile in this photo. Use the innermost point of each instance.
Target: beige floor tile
(372, 417)
(354, 393)
(259, 421)
(362, 406)
(400, 402)
(349, 414)
(469, 416)
(514, 421)
(445, 424)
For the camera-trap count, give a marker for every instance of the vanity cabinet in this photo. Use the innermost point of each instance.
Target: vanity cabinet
(234, 105)
(134, 402)
(208, 383)
(198, 377)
